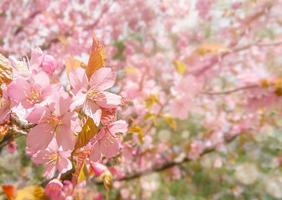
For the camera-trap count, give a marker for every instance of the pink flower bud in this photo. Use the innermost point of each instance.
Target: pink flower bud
(12, 147)
(54, 189)
(49, 64)
(98, 168)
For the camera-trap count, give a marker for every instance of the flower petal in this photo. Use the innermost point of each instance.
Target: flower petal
(110, 100)
(109, 146)
(63, 164)
(16, 90)
(39, 137)
(119, 126)
(92, 110)
(78, 79)
(36, 114)
(103, 79)
(95, 154)
(65, 138)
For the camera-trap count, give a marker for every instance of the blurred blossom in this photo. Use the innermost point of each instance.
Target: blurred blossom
(164, 135)
(247, 173)
(185, 134)
(150, 182)
(273, 186)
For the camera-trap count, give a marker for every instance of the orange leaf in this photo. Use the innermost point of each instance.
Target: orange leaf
(88, 131)
(97, 57)
(73, 63)
(32, 192)
(10, 191)
(5, 70)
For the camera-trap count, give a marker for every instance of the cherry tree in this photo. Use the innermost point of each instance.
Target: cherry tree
(165, 85)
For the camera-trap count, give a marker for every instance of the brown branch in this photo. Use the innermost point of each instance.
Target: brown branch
(17, 128)
(231, 91)
(169, 164)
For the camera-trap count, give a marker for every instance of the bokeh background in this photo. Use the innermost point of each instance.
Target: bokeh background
(205, 122)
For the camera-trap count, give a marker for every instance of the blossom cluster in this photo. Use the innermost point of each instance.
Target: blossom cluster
(61, 113)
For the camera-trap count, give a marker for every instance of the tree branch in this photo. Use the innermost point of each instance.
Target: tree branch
(231, 91)
(169, 164)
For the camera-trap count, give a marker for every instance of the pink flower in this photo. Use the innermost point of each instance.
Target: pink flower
(40, 60)
(185, 90)
(106, 142)
(203, 7)
(30, 92)
(98, 196)
(53, 121)
(180, 107)
(53, 189)
(54, 158)
(98, 168)
(91, 95)
(56, 190)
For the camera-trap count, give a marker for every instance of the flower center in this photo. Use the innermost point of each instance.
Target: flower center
(34, 96)
(53, 157)
(95, 95)
(55, 121)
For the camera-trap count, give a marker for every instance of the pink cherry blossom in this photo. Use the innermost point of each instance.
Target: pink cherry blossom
(53, 189)
(106, 142)
(54, 158)
(30, 92)
(56, 190)
(98, 168)
(91, 94)
(53, 121)
(39, 60)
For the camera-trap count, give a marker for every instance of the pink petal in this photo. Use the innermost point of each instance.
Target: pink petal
(36, 59)
(78, 100)
(103, 79)
(41, 157)
(110, 101)
(78, 79)
(41, 79)
(64, 105)
(40, 136)
(63, 164)
(95, 154)
(49, 64)
(65, 138)
(50, 169)
(109, 147)
(37, 114)
(119, 126)
(98, 168)
(17, 89)
(53, 188)
(92, 110)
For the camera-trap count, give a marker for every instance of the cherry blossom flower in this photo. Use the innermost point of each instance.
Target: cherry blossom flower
(53, 121)
(91, 94)
(30, 92)
(39, 60)
(54, 158)
(56, 190)
(106, 142)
